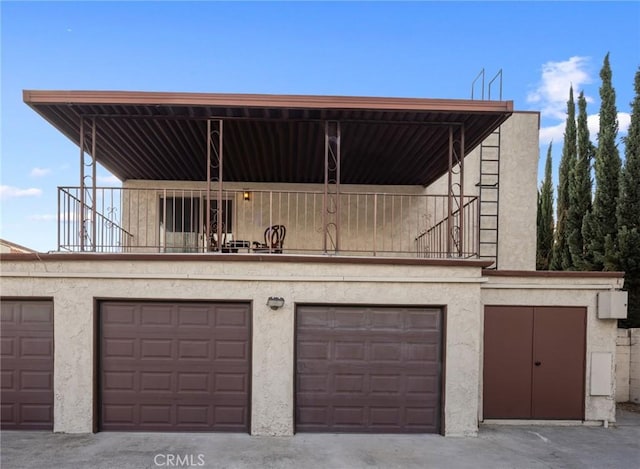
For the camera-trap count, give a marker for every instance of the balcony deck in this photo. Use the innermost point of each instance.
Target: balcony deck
(161, 220)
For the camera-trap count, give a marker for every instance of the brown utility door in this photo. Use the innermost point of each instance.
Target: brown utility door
(558, 363)
(534, 362)
(368, 369)
(508, 337)
(26, 397)
(174, 366)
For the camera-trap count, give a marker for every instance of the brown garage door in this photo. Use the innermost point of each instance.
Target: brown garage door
(27, 365)
(368, 369)
(174, 366)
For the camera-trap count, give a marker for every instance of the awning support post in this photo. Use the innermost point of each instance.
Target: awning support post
(214, 173)
(331, 198)
(87, 212)
(455, 194)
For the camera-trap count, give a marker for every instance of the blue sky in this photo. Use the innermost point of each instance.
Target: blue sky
(415, 49)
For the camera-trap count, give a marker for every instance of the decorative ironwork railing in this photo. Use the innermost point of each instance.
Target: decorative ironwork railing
(82, 229)
(174, 220)
(451, 236)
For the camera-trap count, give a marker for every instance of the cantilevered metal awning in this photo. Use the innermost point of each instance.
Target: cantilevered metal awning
(270, 138)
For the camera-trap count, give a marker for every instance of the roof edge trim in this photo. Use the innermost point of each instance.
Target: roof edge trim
(41, 97)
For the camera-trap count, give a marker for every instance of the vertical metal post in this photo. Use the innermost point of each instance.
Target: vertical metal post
(450, 194)
(461, 233)
(207, 230)
(331, 200)
(325, 196)
(94, 199)
(338, 159)
(214, 170)
(59, 219)
(82, 228)
(375, 224)
(221, 213)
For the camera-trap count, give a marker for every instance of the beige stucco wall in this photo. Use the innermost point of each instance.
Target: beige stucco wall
(623, 358)
(568, 291)
(74, 285)
(634, 366)
(518, 192)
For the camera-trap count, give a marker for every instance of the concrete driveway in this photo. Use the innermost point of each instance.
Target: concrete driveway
(496, 447)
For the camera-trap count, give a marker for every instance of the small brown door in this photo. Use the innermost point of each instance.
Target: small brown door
(368, 369)
(27, 365)
(174, 366)
(558, 363)
(534, 362)
(507, 362)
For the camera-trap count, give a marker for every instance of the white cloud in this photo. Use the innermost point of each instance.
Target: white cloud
(69, 216)
(553, 90)
(556, 132)
(43, 217)
(108, 180)
(624, 121)
(39, 172)
(10, 192)
(553, 133)
(593, 122)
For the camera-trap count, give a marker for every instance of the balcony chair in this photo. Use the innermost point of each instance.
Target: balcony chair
(273, 240)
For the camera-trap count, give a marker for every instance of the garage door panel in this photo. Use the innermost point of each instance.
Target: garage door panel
(386, 320)
(160, 319)
(423, 322)
(36, 347)
(193, 414)
(185, 369)
(27, 364)
(231, 318)
(231, 382)
(344, 319)
(34, 380)
(193, 382)
(313, 350)
(7, 413)
(368, 335)
(366, 369)
(311, 382)
(6, 379)
(36, 414)
(8, 346)
(231, 350)
(349, 351)
(118, 315)
(386, 351)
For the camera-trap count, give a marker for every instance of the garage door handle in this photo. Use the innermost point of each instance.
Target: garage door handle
(538, 363)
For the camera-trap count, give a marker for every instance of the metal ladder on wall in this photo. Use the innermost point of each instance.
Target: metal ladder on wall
(489, 184)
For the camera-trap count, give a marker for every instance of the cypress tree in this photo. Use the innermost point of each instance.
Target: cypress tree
(561, 257)
(545, 218)
(580, 190)
(629, 212)
(603, 227)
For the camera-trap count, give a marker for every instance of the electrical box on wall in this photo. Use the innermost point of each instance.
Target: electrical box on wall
(612, 305)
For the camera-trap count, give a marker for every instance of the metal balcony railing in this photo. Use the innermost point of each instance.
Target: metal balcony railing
(139, 220)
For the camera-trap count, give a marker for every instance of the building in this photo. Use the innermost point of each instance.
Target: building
(280, 264)
(9, 247)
